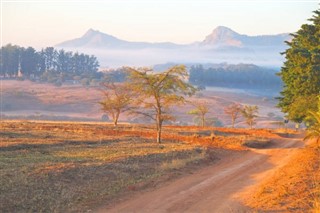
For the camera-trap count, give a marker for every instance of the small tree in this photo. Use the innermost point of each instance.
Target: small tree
(117, 99)
(157, 92)
(313, 132)
(200, 111)
(250, 113)
(233, 110)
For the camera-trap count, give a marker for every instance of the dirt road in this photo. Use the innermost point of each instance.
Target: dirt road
(218, 188)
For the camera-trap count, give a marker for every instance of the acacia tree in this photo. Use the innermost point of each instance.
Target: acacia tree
(158, 92)
(200, 111)
(233, 110)
(117, 99)
(250, 113)
(301, 71)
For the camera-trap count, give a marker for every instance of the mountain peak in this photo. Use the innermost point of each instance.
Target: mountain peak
(93, 39)
(223, 36)
(91, 32)
(223, 30)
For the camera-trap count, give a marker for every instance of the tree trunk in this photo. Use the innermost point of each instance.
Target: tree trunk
(115, 119)
(159, 128)
(203, 121)
(233, 121)
(159, 135)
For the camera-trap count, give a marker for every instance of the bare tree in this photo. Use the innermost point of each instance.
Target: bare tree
(250, 113)
(233, 110)
(157, 92)
(200, 112)
(117, 99)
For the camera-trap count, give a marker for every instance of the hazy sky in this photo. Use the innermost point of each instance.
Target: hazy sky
(46, 23)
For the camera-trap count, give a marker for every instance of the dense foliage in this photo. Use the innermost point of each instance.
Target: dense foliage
(237, 76)
(116, 75)
(28, 63)
(301, 71)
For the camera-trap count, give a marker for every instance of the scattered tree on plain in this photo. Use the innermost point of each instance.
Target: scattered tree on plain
(234, 111)
(158, 92)
(200, 112)
(250, 114)
(117, 99)
(301, 71)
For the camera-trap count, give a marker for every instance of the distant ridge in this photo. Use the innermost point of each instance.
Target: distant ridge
(96, 39)
(224, 36)
(221, 45)
(220, 37)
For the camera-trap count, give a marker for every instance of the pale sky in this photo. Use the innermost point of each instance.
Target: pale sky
(46, 23)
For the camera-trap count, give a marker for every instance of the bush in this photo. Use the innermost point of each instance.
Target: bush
(254, 142)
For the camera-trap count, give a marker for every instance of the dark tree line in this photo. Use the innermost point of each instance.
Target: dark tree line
(238, 76)
(117, 75)
(29, 63)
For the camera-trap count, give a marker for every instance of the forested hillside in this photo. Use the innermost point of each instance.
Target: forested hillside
(237, 76)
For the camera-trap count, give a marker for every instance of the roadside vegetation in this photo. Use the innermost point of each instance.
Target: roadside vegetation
(296, 187)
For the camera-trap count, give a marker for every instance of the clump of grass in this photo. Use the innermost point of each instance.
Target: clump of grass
(256, 142)
(198, 155)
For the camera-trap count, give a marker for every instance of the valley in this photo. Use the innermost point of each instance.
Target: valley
(25, 99)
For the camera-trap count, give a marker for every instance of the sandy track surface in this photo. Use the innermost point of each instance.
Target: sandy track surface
(218, 188)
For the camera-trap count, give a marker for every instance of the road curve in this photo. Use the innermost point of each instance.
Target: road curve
(217, 188)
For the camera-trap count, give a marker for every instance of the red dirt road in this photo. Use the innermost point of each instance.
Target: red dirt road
(218, 188)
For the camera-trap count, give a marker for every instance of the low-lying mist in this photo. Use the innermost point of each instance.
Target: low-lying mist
(113, 58)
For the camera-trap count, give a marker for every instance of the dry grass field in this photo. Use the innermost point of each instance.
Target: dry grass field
(48, 166)
(56, 167)
(24, 98)
(294, 188)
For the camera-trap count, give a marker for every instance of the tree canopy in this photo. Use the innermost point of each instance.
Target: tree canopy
(31, 63)
(117, 99)
(233, 111)
(250, 114)
(200, 111)
(301, 71)
(157, 92)
(246, 76)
